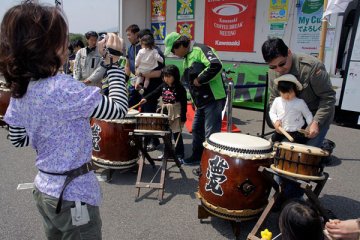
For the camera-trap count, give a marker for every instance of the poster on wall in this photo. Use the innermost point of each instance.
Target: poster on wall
(158, 10)
(277, 30)
(186, 28)
(185, 9)
(308, 26)
(159, 31)
(230, 26)
(278, 11)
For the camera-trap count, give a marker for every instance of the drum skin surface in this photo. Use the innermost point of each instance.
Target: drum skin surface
(111, 141)
(232, 182)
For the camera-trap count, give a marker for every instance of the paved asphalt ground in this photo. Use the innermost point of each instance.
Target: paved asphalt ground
(123, 218)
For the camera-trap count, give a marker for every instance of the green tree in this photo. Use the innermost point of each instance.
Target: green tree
(77, 36)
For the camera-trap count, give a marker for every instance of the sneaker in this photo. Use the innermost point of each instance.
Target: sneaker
(190, 161)
(150, 147)
(196, 172)
(181, 160)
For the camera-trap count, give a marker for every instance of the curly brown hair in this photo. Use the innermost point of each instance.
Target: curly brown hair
(33, 40)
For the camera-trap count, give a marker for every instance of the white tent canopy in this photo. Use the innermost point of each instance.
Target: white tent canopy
(336, 6)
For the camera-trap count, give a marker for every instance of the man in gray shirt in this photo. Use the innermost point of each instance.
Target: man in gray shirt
(87, 59)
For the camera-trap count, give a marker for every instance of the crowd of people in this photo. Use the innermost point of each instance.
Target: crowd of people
(49, 111)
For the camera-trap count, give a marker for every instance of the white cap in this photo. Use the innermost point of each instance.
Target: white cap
(289, 78)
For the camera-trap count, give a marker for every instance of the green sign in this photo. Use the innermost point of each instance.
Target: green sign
(312, 6)
(185, 9)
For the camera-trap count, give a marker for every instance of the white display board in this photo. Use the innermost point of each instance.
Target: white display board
(351, 99)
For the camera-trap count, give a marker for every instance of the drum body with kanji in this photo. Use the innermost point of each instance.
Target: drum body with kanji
(112, 146)
(230, 185)
(5, 96)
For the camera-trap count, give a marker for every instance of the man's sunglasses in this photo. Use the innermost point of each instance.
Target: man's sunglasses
(282, 64)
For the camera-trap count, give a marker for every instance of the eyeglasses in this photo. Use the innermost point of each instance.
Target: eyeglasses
(282, 64)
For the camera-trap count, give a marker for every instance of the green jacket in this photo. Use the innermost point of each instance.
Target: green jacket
(317, 88)
(212, 86)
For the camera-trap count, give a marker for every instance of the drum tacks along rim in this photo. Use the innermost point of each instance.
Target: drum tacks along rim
(114, 164)
(243, 214)
(226, 143)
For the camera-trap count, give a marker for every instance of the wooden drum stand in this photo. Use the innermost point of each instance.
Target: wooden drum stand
(168, 154)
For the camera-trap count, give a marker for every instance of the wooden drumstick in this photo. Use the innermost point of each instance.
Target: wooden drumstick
(177, 139)
(135, 106)
(286, 134)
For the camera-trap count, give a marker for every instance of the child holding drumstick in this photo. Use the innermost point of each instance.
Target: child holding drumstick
(288, 111)
(174, 104)
(51, 112)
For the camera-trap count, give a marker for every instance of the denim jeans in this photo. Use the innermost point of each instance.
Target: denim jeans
(207, 120)
(318, 140)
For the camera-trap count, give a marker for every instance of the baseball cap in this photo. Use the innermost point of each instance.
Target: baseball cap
(289, 78)
(169, 41)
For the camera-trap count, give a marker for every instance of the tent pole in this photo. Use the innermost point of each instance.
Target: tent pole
(323, 34)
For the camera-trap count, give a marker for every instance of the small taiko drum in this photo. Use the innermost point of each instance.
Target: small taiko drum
(112, 145)
(5, 95)
(152, 122)
(230, 185)
(299, 160)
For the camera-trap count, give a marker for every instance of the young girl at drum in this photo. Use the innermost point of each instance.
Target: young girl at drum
(51, 112)
(288, 111)
(174, 105)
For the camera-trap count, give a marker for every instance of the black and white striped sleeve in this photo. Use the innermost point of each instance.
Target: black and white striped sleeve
(18, 136)
(115, 105)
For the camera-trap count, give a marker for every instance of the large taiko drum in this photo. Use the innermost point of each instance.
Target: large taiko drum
(5, 95)
(112, 145)
(152, 122)
(299, 160)
(230, 185)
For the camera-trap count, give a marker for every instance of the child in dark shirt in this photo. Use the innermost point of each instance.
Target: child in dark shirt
(174, 104)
